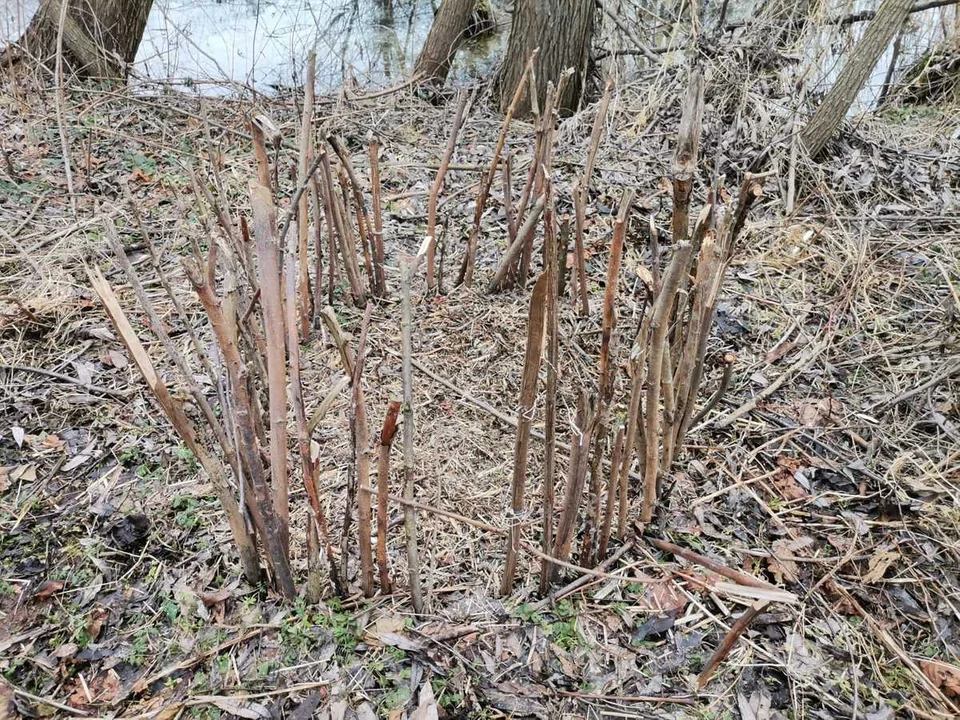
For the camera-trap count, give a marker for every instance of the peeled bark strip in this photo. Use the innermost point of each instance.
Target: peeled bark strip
(528, 395)
(836, 103)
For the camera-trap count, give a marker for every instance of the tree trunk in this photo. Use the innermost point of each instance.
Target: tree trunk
(100, 37)
(832, 110)
(456, 21)
(562, 29)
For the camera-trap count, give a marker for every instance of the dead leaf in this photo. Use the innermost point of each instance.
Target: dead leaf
(97, 619)
(879, 564)
(943, 675)
(66, 650)
(18, 435)
(47, 588)
(216, 597)
(427, 709)
(781, 563)
(240, 708)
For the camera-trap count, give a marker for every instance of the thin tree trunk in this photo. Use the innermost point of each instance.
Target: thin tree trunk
(863, 59)
(448, 31)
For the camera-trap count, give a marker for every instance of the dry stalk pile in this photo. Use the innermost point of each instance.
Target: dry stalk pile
(262, 298)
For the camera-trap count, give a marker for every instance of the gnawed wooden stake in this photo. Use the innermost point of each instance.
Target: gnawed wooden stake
(580, 441)
(579, 251)
(685, 157)
(353, 366)
(407, 271)
(528, 394)
(303, 205)
(659, 325)
(387, 432)
(553, 361)
(613, 483)
(378, 254)
(607, 372)
(348, 250)
(500, 278)
(172, 408)
(269, 524)
(309, 466)
(465, 99)
(268, 265)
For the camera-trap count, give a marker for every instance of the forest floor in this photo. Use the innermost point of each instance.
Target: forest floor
(121, 594)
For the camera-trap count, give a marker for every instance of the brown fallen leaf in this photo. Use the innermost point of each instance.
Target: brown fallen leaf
(215, 597)
(46, 589)
(8, 709)
(943, 675)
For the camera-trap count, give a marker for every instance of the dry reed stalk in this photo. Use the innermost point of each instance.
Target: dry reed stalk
(612, 489)
(528, 396)
(387, 433)
(634, 435)
(378, 254)
(724, 648)
(349, 191)
(269, 524)
(469, 259)
(502, 275)
(543, 157)
(659, 325)
(353, 366)
(271, 300)
(309, 465)
(462, 110)
(580, 441)
(303, 204)
(685, 157)
(607, 373)
(171, 347)
(562, 252)
(348, 250)
(553, 360)
(363, 217)
(245, 542)
(728, 361)
(508, 196)
(317, 248)
(407, 271)
(580, 213)
(596, 133)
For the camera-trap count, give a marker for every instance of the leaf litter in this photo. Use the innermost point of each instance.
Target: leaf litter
(118, 592)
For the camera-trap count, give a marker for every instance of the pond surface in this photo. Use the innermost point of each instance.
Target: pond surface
(226, 46)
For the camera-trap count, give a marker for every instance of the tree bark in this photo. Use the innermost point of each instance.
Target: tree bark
(832, 110)
(562, 29)
(100, 37)
(456, 21)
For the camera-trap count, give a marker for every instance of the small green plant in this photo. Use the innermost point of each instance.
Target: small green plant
(188, 515)
(185, 455)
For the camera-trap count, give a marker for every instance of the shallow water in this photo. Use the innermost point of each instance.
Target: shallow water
(226, 45)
